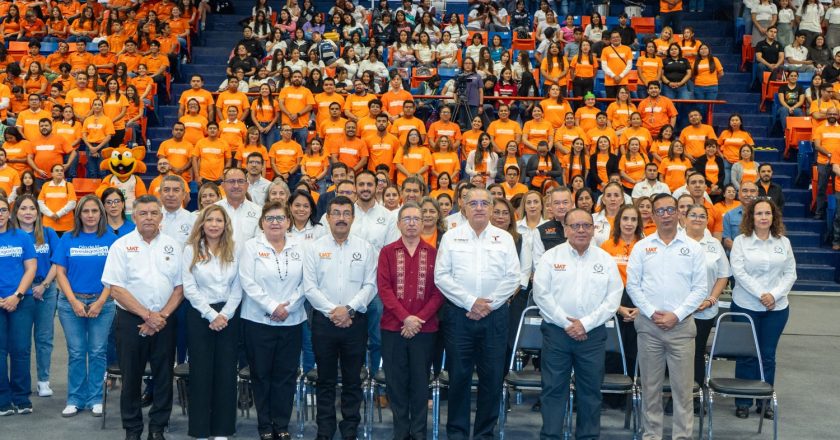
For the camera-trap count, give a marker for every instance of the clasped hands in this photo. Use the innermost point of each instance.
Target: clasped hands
(480, 309)
(152, 323)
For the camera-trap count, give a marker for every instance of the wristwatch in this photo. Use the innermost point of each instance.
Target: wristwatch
(350, 311)
(19, 295)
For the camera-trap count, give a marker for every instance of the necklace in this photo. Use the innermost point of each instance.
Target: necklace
(285, 273)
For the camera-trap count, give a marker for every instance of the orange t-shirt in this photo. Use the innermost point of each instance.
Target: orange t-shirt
(469, 141)
(448, 129)
(712, 172)
(402, 126)
(566, 135)
(673, 172)
(18, 150)
(503, 132)
(583, 68)
(242, 156)
(233, 132)
(179, 154)
(204, 98)
(634, 168)
(554, 70)
(555, 113)
(71, 132)
(731, 143)
(704, 76)
(313, 166)
(96, 128)
(57, 197)
(367, 126)
(80, 60)
(750, 170)
(656, 113)
(660, 148)
(264, 113)
(641, 133)
(417, 158)
(9, 179)
(694, 139)
(358, 105)
(446, 161)
(621, 255)
(113, 107)
(155, 62)
(665, 7)
(596, 133)
(381, 150)
(286, 155)
(35, 85)
(28, 122)
(332, 132)
(542, 165)
(101, 59)
(227, 99)
(195, 127)
(295, 99)
(650, 68)
(619, 115)
(536, 131)
(322, 105)
(829, 137)
(586, 117)
(617, 60)
(81, 100)
(212, 156)
(351, 151)
(392, 102)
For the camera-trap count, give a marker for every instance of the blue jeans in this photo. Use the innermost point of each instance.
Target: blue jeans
(87, 342)
(681, 92)
(299, 135)
(268, 139)
(706, 92)
(672, 19)
(374, 315)
(727, 173)
(70, 172)
(44, 331)
(74, 38)
(92, 167)
(16, 349)
(769, 326)
(782, 113)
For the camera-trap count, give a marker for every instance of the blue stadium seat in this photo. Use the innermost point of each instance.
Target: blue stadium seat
(48, 48)
(612, 22)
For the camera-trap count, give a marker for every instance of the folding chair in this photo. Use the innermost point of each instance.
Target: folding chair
(113, 372)
(438, 383)
(615, 383)
(528, 337)
(734, 339)
(182, 375)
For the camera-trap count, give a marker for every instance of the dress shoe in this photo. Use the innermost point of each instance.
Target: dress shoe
(132, 436)
(155, 436)
(283, 436)
(146, 400)
(267, 436)
(768, 412)
(742, 412)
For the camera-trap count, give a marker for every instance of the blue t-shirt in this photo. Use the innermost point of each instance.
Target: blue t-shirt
(44, 252)
(127, 227)
(83, 257)
(15, 248)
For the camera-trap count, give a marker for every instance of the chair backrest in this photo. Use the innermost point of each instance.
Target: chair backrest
(614, 343)
(734, 339)
(528, 335)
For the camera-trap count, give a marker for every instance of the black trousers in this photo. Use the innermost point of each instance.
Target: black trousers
(475, 346)
(212, 384)
(347, 346)
(407, 363)
(704, 329)
(134, 352)
(582, 85)
(273, 355)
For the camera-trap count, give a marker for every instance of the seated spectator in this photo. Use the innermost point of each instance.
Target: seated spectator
(796, 55)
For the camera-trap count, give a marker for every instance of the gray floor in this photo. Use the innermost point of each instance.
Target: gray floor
(806, 382)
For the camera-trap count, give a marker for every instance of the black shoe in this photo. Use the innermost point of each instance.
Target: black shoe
(537, 407)
(742, 412)
(669, 407)
(283, 436)
(155, 436)
(768, 412)
(132, 436)
(267, 436)
(146, 400)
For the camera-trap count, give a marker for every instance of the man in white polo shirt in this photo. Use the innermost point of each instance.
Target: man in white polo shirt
(244, 214)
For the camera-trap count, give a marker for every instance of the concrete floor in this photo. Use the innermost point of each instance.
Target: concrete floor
(806, 384)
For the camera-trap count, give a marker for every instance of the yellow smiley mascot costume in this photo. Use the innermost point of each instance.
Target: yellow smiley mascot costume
(124, 164)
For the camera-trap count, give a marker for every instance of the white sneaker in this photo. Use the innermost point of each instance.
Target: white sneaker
(44, 389)
(69, 411)
(96, 410)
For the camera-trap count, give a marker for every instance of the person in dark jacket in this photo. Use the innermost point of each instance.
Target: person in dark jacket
(710, 165)
(768, 188)
(543, 166)
(602, 163)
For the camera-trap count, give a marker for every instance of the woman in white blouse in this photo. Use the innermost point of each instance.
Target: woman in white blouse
(809, 18)
(211, 286)
(832, 24)
(271, 271)
(764, 15)
(447, 52)
(784, 24)
(717, 276)
(765, 270)
(457, 29)
(611, 201)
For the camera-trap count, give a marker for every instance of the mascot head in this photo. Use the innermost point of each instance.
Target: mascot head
(123, 162)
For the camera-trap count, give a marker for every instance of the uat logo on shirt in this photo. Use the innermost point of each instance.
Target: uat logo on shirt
(263, 254)
(559, 267)
(325, 255)
(132, 248)
(651, 251)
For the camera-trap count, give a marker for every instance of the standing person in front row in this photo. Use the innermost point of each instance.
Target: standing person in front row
(477, 270)
(211, 288)
(339, 281)
(271, 273)
(578, 289)
(17, 309)
(765, 270)
(409, 322)
(666, 279)
(143, 271)
(85, 308)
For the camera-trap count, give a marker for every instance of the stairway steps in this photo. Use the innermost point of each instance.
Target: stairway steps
(816, 286)
(815, 272)
(816, 255)
(801, 239)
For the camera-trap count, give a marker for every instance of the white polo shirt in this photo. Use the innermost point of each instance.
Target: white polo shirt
(211, 282)
(178, 224)
(339, 274)
(762, 266)
(245, 219)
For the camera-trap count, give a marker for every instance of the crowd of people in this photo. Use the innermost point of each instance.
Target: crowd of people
(342, 223)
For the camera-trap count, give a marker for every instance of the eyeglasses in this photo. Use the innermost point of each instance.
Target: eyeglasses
(561, 202)
(114, 202)
(660, 212)
(4, 210)
(381, 181)
(235, 181)
(499, 212)
(478, 203)
(275, 218)
(345, 214)
(410, 220)
(697, 216)
(581, 226)
(346, 193)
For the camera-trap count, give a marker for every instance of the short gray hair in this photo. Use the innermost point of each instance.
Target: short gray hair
(174, 178)
(146, 198)
(407, 205)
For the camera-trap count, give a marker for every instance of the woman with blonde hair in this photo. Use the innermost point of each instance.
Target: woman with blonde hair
(211, 286)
